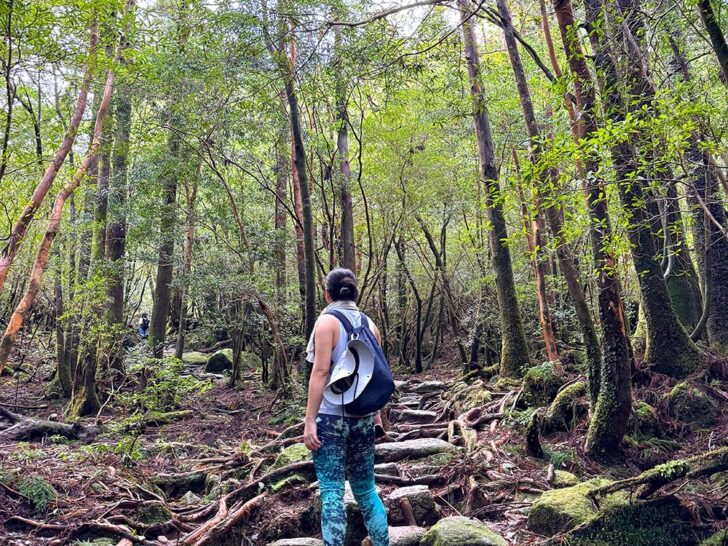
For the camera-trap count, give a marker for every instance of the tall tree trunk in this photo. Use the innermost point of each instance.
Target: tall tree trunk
(299, 154)
(116, 231)
(614, 399)
(279, 258)
(191, 196)
(20, 228)
(515, 355)
(348, 259)
(669, 349)
(717, 38)
(10, 92)
(54, 224)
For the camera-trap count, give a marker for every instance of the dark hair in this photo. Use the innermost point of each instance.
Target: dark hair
(341, 284)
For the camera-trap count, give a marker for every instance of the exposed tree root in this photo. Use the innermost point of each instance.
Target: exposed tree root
(26, 428)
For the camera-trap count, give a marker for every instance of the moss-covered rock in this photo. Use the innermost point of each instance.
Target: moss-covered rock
(718, 539)
(541, 383)
(643, 422)
(220, 361)
(462, 531)
(249, 361)
(292, 454)
(560, 510)
(568, 407)
(195, 358)
(562, 478)
(151, 512)
(689, 404)
(658, 522)
(471, 396)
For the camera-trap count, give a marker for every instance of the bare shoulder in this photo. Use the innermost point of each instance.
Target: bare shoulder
(327, 324)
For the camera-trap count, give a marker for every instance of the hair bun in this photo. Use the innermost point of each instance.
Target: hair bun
(346, 290)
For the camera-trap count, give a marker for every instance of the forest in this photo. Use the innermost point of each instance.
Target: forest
(532, 195)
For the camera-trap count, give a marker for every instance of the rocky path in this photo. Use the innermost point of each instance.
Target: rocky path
(422, 440)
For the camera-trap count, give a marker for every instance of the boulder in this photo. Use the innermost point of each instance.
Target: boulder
(429, 386)
(462, 531)
(154, 511)
(248, 360)
(220, 361)
(420, 498)
(689, 404)
(298, 542)
(568, 407)
(195, 358)
(406, 536)
(391, 452)
(190, 499)
(292, 454)
(540, 384)
(560, 510)
(416, 417)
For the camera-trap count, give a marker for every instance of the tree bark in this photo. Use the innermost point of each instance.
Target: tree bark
(613, 405)
(717, 38)
(515, 355)
(54, 224)
(21, 227)
(280, 215)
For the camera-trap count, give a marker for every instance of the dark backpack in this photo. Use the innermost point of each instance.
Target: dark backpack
(381, 386)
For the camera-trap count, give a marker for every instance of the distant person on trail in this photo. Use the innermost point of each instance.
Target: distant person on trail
(350, 381)
(143, 328)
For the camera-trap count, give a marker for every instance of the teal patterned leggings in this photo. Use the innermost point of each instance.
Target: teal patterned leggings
(347, 452)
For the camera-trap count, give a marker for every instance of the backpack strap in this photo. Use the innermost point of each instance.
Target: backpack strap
(343, 320)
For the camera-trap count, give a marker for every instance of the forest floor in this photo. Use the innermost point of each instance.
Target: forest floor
(157, 477)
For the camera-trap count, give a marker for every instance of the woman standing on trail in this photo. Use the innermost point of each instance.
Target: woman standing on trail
(342, 444)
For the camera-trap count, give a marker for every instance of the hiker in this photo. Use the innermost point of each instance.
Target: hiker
(350, 381)
(143, 328)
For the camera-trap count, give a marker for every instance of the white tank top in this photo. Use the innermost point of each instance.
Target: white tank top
(355, 318)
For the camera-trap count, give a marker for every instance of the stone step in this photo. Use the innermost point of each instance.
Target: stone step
(416, 417)
(428, 386)
(421, 501)
(388, 469)
(391, 452)
(402, 536)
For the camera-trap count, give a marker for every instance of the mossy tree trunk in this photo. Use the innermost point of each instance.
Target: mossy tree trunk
(515, 355)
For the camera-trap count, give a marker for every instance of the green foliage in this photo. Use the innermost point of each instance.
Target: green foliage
(39, 492)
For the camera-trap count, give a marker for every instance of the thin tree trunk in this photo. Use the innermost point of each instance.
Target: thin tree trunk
(717, 38)
(515, 355)
(611, 411)
(22, 225)
(54, 224)
(10, 93)
(280, 216)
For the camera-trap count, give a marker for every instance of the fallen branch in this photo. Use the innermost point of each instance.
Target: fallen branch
(650, 481)
(27, 428)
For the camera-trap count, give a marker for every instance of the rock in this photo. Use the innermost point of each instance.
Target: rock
(420, 498)
(410, 401)
(248, 360)
(429, 386)
(560, 510)
(416, 449)
(406, 536)
(643, 422)
(568, 407)
(195, 358)
(222, 488)
(470, 397)
(689, 404)
(562, 478)
(292, 454)
(153, 511)
(416, 417)
(297, 542)
(462, 531)
(219, 361)
(540, 384)
(190, 499)
(400, 385)
(388, 469)
(175, 485)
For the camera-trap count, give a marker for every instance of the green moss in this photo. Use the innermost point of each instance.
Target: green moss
(560, 510)
(564, 479)
(292, 454)
(718, 539)
(151, 512)
(567, 407)
(689, 404)
(643, 421)
(290, 480)
(463, 532)
(249, 361)
(541, 383)
(195, 358)
(219, 361)
(472, 396)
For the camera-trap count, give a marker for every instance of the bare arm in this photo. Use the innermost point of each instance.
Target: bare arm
(325, 337)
